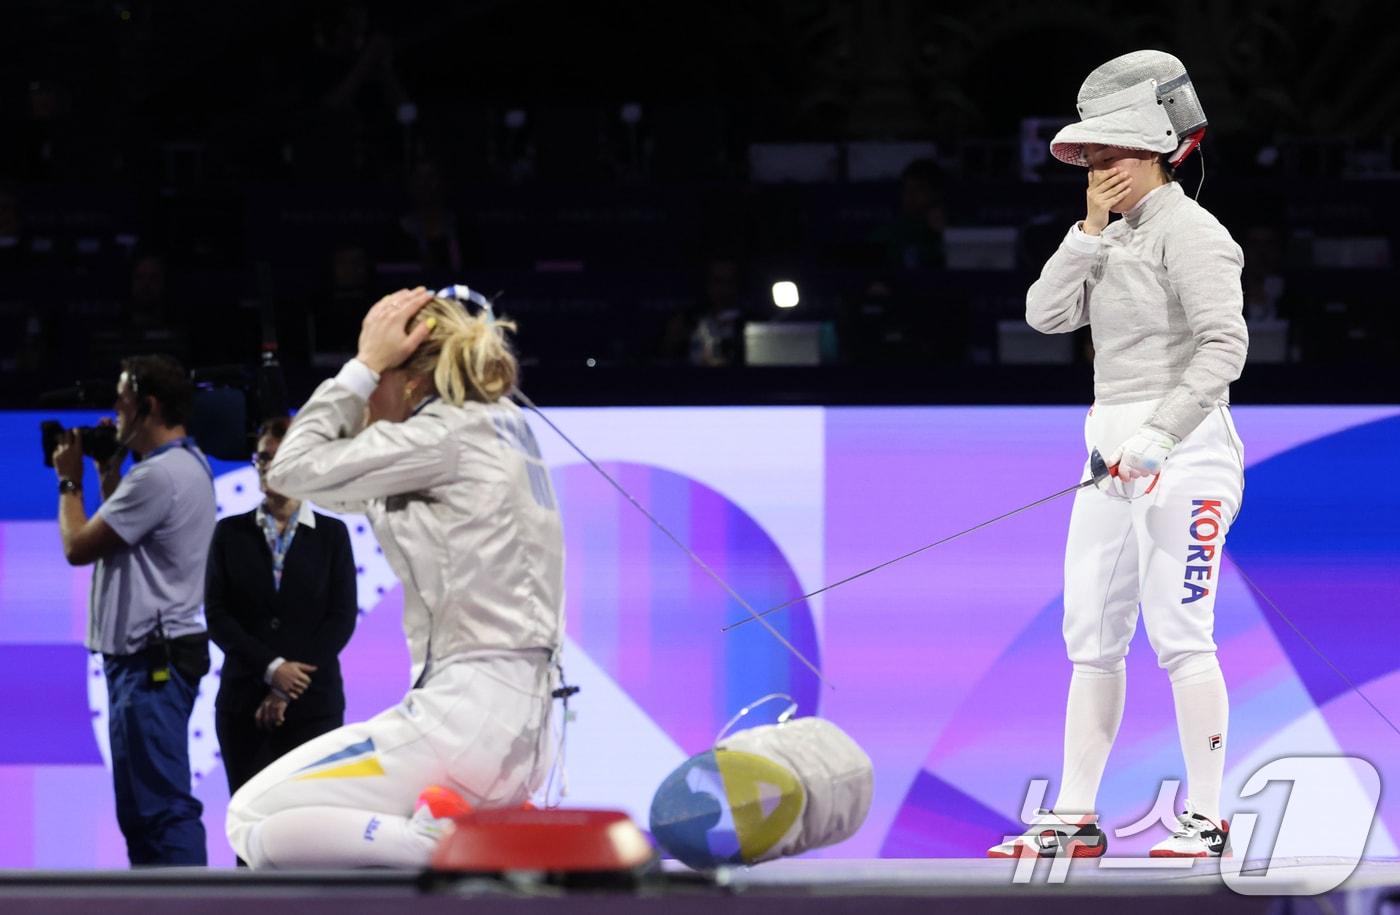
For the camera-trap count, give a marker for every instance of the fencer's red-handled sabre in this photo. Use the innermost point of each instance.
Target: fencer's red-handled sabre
(1098, 472)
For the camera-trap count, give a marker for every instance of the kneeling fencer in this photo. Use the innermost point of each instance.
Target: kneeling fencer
(417, 433)
(1160, 290)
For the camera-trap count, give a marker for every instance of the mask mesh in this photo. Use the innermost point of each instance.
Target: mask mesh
(1174, 87)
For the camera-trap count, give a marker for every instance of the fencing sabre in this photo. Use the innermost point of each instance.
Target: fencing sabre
(753, 614)
(1098, 472)
(481, 306)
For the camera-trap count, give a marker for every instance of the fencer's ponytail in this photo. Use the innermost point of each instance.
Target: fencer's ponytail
(467, 356)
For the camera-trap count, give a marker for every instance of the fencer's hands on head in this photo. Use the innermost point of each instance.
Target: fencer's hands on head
(1106, 190)
(272, 713)
(292, 677)
(1143, 454)
(385, 338)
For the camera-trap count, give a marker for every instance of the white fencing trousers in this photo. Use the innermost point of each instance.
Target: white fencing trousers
(478, 724)
(1160, 548)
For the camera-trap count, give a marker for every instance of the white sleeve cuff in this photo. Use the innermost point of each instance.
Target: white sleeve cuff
(358, 378)
(272, 669)
(1081, 243)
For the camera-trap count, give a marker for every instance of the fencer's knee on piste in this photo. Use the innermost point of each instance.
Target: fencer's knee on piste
(240, 826)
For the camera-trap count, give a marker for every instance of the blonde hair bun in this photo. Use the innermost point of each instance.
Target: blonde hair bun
(468, 356)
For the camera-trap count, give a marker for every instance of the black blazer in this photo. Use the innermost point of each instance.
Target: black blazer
(310, 618)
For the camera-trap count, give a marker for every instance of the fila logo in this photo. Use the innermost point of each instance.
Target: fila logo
(370, 828)
(1201, 548)
(1215, 741)
(1049, 839)
(1215, 841)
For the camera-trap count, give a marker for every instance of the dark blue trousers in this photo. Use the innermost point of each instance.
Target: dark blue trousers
(149, 730)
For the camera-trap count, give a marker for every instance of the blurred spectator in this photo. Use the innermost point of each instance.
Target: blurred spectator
(711, 332)
(349, 57)
(914, 239)
(898, 318)
(148, 291)
(1268, 309)
(1264, 285)
(353, 101)
(11, 228)
(333, 319)
(428, 234)
(50, 144)
(148, 322)
(21, 323)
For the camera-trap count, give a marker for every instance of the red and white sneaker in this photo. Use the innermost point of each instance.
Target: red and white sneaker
(1195, 837)
(1051, 835)
(442, 802)
(436, 810)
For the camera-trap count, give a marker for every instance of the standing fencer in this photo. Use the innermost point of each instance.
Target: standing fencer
(1160, 291)
(417, 432)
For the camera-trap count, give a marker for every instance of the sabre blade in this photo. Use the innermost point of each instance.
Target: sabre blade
(704, 567)
(1099, 470)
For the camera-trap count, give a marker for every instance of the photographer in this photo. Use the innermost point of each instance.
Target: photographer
(281, 601)
(149, 540)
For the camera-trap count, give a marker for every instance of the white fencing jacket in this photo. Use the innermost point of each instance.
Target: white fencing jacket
(460, 502)
(1160, 289)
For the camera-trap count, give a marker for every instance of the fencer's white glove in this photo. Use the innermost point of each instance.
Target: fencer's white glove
(1143, 454)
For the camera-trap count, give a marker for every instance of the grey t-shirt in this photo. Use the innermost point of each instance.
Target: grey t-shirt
(164, 510)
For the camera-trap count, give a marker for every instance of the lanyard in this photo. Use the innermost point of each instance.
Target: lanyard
(189, 445)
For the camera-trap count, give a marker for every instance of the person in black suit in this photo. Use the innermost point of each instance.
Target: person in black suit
(280, 601)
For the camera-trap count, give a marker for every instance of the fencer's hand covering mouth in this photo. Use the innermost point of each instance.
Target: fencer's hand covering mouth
(1106, 190)
(385, 340)
(1143, 454)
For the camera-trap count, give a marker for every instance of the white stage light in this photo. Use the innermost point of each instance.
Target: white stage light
(785, 294)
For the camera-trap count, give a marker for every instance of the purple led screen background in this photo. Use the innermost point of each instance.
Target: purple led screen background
(948, 668)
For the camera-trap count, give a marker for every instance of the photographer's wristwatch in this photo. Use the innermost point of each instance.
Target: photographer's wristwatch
(69, 486)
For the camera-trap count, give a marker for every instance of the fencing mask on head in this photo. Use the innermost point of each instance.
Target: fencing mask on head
(1142, 100)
